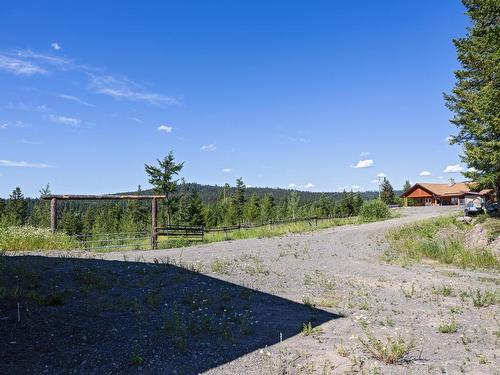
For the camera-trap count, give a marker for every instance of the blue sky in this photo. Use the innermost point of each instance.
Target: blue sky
(321, 95)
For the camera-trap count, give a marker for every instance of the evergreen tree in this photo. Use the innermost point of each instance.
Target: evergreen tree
(161, 178)
(293, 205)
(16, 210)
(475, 99)
(406, 186)
(182, 205)
(387, 192)
(71, 222)
(252, 208)
(267, 208)
(40, 217)
(239, 200)
(88, 221)
(195, 210)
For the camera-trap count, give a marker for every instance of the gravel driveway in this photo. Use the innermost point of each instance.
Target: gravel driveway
(333, 278)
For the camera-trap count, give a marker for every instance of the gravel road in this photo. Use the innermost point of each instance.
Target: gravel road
(334, 278)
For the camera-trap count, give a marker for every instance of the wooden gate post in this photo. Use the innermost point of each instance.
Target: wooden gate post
(154, 235)
(53, 215)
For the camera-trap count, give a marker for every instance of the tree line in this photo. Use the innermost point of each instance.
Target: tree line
(181, 206)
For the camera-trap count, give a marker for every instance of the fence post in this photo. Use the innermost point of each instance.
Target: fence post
(154, 235)
(53, 215)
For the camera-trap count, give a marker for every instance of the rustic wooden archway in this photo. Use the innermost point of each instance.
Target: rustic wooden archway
(68, 197)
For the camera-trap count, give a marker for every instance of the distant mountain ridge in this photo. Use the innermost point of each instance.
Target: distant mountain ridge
(210, 193)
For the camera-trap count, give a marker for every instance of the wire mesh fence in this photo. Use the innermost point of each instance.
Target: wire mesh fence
(173, 236)
(113, 241)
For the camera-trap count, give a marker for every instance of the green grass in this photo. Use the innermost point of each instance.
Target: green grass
(309, 330)
(419, 241)
(448, 327)
(31, 238)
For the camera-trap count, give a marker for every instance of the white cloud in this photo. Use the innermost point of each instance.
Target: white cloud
(350, 187)
(448, 139)
(363, 164)
(123, 88)
(27, 107)
(138, 120)
(27, 142)
(165, 128)
(209, 148)
(70, 121)
(453, 168)
(23, 164)
(55, 46)
(381, 174)
(309, 185)
(75, 99)
(472, 169)
(364, 153)
(19, 67)
(291, 186)
(374, 181)
(3, 126)
(425, 173)
(58, 62)
(304, 140)
(226, 170)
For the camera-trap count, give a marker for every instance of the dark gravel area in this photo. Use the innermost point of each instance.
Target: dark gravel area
(87, 316)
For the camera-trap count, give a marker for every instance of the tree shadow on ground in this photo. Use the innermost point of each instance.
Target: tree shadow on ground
(64, 315)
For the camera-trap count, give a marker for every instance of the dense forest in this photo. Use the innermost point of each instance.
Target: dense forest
(186, 203)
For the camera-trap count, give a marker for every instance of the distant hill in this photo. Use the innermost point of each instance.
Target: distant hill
(210, 193)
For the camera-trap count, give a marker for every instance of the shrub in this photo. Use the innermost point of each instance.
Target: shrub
(373, 210)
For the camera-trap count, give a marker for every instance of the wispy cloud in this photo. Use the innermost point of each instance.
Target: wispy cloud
(364, 153)
(138, 120)
(27, 107)
(226, 170)
(309, 185)
(27, 62)
(75, 99)
(381, 174)
(3, 126)
(453, 168)
(70, 121)
(363, 164)
(209, 148)
(49, 61)
(123, 88)
(374, 181)
(23, 164)
(425, 173)
(19, 66)
(448, 139)
(28, 142)
(292, 186)
(165, 129)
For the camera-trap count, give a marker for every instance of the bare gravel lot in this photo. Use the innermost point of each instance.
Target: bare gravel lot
(240, 307)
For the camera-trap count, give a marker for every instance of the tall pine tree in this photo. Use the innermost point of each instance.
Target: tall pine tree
(162, 179)
(475, 99)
